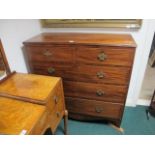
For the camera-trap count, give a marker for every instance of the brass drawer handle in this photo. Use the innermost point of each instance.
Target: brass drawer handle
(98, 109)
(101, 56)
(47, 53)
(100, 75)
(51, 70)
(99, 93)
(56, 99)
(58, 114)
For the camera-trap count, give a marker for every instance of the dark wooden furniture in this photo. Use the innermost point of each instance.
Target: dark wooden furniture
(95, 68)
(151, 108)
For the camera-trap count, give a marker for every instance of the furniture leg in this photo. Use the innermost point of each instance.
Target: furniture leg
(117, 128)
(147, 114)
(52, 131)
(65, 122)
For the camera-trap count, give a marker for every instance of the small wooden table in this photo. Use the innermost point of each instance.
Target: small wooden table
(19, 117)
(38, 89)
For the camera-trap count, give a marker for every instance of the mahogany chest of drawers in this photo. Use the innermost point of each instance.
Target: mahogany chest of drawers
(95, 69)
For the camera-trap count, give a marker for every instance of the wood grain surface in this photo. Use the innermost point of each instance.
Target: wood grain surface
(94, 67)
(112, 93)
(17, 116)
(94, 108)
(82, 38)
(36, 87)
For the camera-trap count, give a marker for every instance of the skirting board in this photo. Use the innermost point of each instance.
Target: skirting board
(143, 102)
(130, 103)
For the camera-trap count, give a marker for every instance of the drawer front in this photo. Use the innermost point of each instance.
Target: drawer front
(64, 71)
(56, 115)
(102, 74)
(57, 112)
(63, 54)
(104, 92)
(85, 73)
(119, 56)
(94, 108)
(56, 98)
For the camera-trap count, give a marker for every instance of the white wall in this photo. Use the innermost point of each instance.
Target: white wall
(14, 32)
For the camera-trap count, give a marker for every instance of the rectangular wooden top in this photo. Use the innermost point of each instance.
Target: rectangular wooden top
(18, 117)
(83, 38)
(28, 86)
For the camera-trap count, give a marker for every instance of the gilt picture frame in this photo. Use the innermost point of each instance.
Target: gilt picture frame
(92, 23)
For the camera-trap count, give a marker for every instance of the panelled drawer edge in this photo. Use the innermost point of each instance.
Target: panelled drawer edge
(103, 92)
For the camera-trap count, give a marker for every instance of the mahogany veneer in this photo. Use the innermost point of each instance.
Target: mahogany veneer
(95, 69)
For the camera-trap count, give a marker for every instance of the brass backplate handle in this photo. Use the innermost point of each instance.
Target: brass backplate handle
(58, 114)
(99, 92)
(47, 53)
(51, 70)
(98, 109)
(100, 75)
(56, 99)
(102, 56)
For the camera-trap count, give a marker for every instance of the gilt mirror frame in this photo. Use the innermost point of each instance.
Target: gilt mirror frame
(92, 23)
(4, 59)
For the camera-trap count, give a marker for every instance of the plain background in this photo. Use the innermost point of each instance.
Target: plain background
(72, 145)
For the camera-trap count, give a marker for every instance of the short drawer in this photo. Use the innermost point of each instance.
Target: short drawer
(94, 108)
(102, 74)
(56, 98)
(51, 69)
(56, 115)
(103, 92)
(58, 106)
(63, 54)
(120, 56)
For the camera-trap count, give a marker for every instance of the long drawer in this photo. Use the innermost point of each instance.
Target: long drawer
(102, 55)
(85, 73)
(94, 108)
(103, 92)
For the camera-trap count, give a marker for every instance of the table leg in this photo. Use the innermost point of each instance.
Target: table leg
(65, 122)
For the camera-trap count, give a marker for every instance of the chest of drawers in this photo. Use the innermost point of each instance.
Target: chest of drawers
(40, 90)
(95, 69)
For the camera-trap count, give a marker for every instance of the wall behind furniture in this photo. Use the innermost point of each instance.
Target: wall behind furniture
(14, 32)
(143, 38)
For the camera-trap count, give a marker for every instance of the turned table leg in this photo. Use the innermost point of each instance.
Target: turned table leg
(65, 122)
